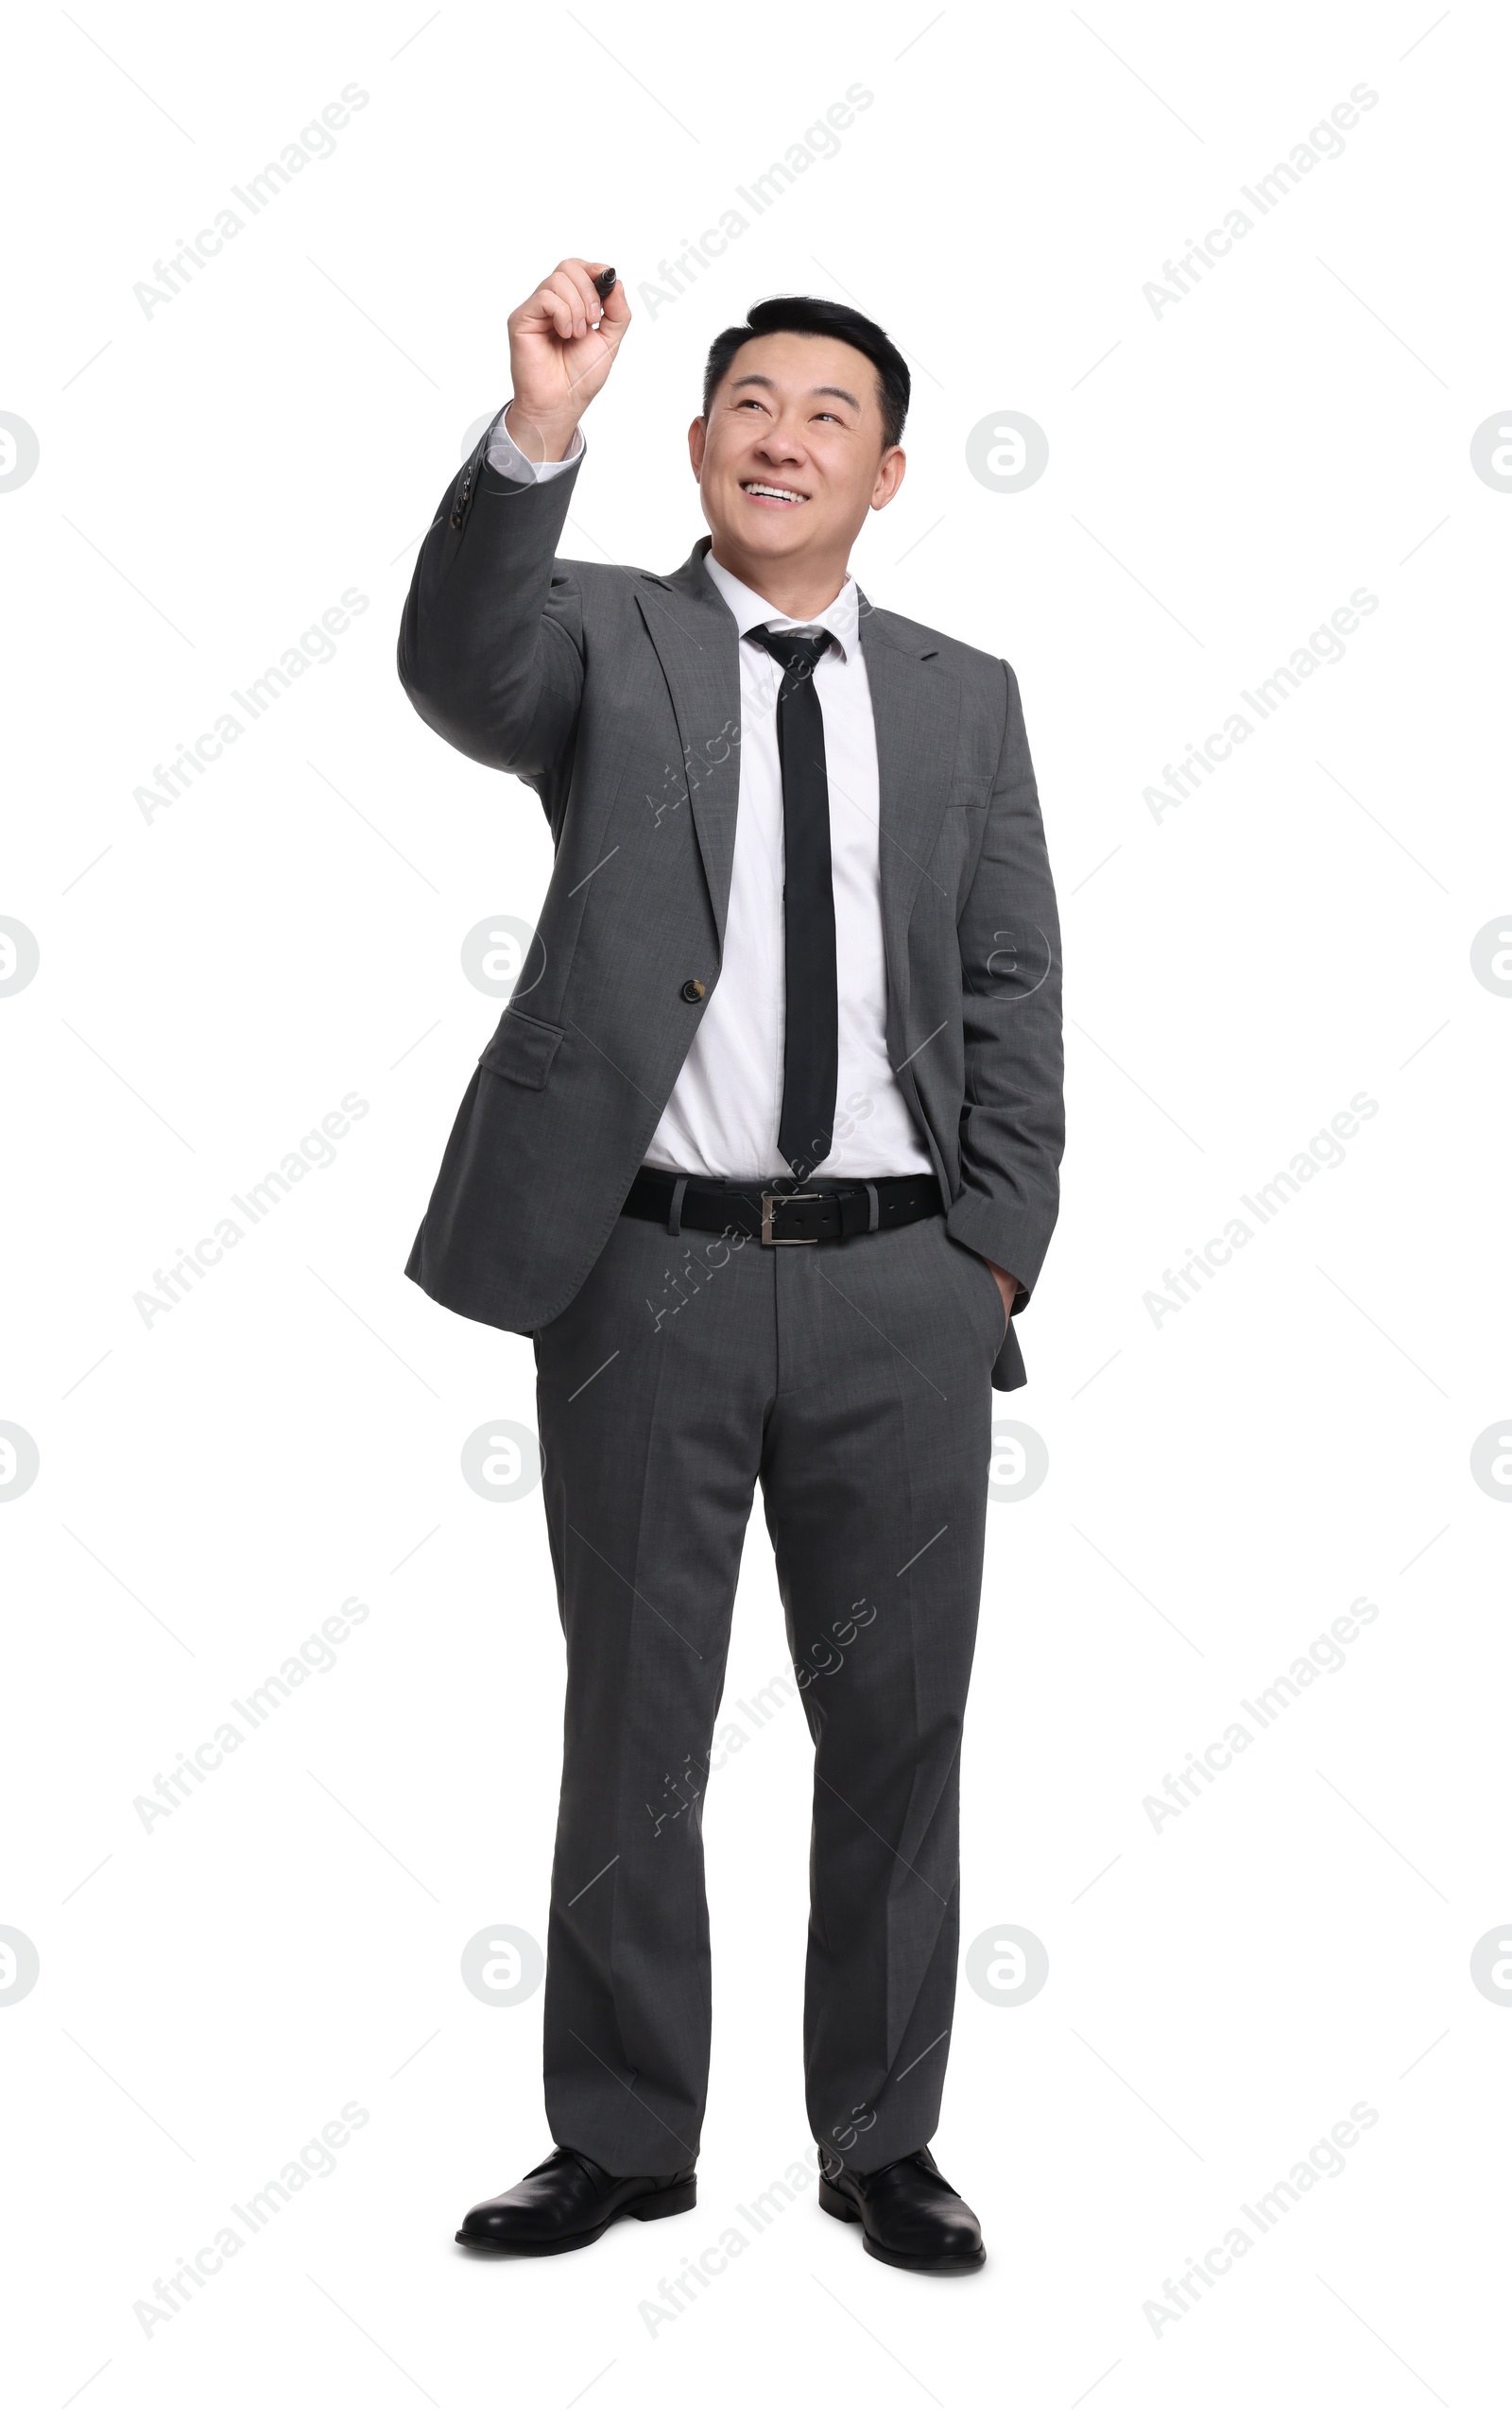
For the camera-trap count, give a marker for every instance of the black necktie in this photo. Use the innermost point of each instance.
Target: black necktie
(811, 1050)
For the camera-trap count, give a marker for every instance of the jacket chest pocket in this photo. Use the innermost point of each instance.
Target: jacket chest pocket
(961, 830)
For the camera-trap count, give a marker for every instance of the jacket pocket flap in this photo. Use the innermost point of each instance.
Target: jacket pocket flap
(972, 790)
(522, 1050)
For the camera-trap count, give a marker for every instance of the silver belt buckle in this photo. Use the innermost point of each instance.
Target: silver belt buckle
(768, 1205)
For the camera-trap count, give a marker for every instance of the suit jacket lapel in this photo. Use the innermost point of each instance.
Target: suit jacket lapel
(693, 631)
(914, 705)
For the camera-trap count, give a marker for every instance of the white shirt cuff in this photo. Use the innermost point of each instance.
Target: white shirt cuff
(506, 457)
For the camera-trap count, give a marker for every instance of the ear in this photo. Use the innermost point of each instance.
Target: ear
(697, 437)
(889, 477)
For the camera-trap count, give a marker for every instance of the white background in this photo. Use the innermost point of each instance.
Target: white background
(1221, 1486)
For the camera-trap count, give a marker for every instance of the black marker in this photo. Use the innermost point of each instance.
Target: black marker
(603, 285)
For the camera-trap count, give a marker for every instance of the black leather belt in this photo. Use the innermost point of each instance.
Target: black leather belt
(785, 1213)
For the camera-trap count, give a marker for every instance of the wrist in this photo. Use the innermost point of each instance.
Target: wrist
(1008, 1284)
(542, 440)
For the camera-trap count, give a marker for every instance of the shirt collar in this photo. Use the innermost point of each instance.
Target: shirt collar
(841, 619)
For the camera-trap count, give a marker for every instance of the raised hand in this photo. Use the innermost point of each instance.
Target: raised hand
(562, 344)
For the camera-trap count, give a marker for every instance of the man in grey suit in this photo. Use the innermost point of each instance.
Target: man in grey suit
(763, 1157)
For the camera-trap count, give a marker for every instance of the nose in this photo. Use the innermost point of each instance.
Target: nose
(783, 443)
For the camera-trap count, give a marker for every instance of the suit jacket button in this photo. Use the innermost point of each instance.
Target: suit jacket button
(693, 989)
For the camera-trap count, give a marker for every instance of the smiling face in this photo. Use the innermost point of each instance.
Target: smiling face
(791, 459)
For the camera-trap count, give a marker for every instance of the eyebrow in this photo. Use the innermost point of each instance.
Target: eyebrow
(755, 378)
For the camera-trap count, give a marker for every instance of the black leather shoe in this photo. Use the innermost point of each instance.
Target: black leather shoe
(909, 2216)
(569, 2201)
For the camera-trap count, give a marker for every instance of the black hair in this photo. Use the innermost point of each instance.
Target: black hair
(808, 317)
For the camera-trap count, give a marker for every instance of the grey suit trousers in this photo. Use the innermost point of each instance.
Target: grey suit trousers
(853, 1379)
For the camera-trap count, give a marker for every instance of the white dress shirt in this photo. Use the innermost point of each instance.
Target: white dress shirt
(722, 1114)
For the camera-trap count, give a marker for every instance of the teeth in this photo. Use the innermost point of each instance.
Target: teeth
(784, 495)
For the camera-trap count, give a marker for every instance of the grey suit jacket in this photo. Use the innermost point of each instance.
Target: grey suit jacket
(615, 694)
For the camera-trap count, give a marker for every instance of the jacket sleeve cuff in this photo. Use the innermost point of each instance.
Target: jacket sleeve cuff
(505, 456)
(993, 1230)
